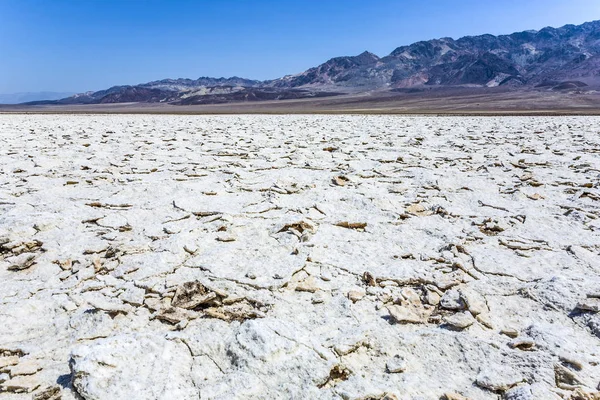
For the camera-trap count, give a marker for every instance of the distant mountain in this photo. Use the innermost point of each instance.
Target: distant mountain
(16, 98)
(566, 58)
(570, 53)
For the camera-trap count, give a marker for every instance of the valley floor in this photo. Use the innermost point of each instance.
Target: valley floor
(299, 256)
(472, 101)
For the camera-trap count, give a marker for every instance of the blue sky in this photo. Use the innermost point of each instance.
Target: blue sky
(80, 45)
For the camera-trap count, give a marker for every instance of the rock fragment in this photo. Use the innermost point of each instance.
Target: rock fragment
(20, 384)
(173, 315)
(521, 392)
(27, 367)
(49, 393)
(133, 295)
(308, 285)
(510, 332)
(191, 295)
(591, 304)
(7, 361)
(565, 378)
(340, 180)
(498, 380)
(474, 301)
(522, 344)
(452, 300)
(21, 262)
(356, 295)
(453, 396)
(408, 314)
(396, 365)
(352, 225)
(459, 321)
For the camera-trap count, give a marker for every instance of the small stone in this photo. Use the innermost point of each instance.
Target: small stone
(352, 225)
(565, 378)
(326, 274)
(356, 295)
(396, 365)
(536, 196)
(460, 321)
(153, 304)
(446, 281)
(340, 180)
(191, 250)
(21, 262)
(307, 285)
(86, 273)
(181, 325)
(64, 275)
(432, 298)
(498, 380)
(419, 210)
(522, 392)
(369, 279)
(522, 344)
(474, 301)
(20, 384)
(225, 237)
(318, 298)
(347, 348)
(591, 304)
(190, 295)
(50, 393)
(580, 394)
(452, 300)
(28, 367)
(510, 332)
(484, 319)
(571, 362)
(66, 265)
(109, 305)
(172, 315)
(407, 314)
(453, 396)
(133, 296)
(8, 361)
(411, 296)
(373, 291)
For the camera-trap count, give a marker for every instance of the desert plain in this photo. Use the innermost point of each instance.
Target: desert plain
(299, 257)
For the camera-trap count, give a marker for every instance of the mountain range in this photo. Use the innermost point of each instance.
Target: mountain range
(565, 58)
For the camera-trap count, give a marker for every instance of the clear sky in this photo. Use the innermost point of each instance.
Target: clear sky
(80, 45)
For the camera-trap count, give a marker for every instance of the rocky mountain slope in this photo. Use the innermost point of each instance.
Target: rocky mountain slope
(531, 58)
(566, 58)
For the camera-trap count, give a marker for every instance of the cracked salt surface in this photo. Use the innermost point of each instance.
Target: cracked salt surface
(251, 257)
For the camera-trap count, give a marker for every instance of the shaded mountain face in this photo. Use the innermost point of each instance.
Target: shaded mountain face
(568, 57)
(335, 71)
(523, 58)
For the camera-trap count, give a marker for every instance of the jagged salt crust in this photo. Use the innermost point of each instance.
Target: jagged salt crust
(252, 257)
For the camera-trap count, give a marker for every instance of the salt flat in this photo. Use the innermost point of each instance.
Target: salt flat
(305, 257)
